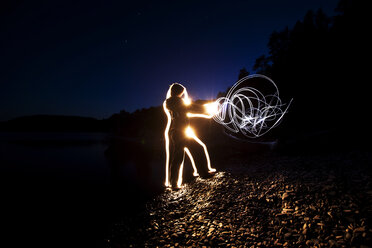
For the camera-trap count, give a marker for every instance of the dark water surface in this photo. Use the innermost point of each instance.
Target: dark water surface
(62, 189)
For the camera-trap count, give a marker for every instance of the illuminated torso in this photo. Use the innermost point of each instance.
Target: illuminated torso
(178, 111)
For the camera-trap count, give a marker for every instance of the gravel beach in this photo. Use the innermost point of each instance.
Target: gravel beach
(271, 200)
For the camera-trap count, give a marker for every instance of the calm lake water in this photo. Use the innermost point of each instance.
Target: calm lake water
(67, 189)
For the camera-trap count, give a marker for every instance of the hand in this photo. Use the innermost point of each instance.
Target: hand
(211, 108)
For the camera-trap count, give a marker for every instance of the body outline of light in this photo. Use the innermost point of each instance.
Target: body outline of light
(191, 115)
(193, 135)
(166, 136)
(186, 101)
(236, 118)
(195, 173)
(180, 172)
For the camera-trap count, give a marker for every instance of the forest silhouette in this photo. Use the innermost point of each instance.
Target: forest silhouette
(319, 63)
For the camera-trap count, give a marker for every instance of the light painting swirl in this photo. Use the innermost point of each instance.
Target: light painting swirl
(249, 111)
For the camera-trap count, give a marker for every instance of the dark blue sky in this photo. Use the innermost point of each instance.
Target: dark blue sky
(95, 58)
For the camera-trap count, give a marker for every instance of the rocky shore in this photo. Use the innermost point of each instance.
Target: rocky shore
(274, 200)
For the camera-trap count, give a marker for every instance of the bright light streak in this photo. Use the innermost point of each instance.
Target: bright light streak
(191, 115)
(166, 136)
(191, 134)
(187, 101)
(244, 110)
(195, 174)
(211, 108)
(180, 172)
(249, 111)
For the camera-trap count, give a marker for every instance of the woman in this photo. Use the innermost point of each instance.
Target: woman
(177, 134)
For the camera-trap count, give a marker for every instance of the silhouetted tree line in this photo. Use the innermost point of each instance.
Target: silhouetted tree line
(146, 124)
(320, 63)
(52, 123)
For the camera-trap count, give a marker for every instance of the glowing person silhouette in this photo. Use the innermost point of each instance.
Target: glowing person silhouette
(178, 134)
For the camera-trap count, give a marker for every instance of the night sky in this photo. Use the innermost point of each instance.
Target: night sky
(95, 58)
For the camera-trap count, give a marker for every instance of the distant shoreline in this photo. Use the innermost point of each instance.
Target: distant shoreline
(54, 123)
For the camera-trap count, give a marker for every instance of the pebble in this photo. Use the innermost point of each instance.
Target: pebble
(285, 195)
(280, 202)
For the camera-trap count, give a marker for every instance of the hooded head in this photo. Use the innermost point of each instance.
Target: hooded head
(176, 89)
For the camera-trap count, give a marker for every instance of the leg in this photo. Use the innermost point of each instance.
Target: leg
(176, 167)
(192, 162)
(177, 158)
(210, 169)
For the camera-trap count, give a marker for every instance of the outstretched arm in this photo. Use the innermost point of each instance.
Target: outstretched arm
(191, 115)
(210, 109)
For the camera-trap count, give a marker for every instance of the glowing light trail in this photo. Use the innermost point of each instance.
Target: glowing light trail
(248, 111)
(244, 110)
(166, 136)
(189, 132)
(180, 173)
(195, 174)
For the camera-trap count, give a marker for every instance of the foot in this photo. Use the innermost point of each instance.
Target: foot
(176, 188)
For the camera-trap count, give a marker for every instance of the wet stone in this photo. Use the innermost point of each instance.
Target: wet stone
(287, 235)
